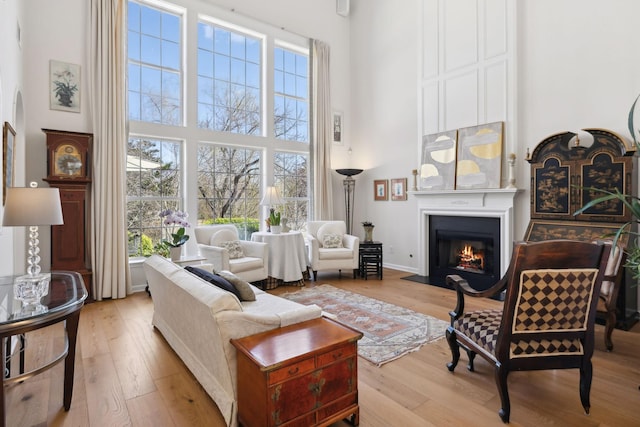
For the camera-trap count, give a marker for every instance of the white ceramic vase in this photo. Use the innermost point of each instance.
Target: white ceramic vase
(175, 253)
(276, 229)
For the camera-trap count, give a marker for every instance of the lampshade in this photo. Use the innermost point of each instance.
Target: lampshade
(271, 197)
(32, 206)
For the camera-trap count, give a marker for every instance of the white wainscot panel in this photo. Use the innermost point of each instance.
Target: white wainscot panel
(495, 28)
(430, 39)
(461, 100)
(430, 108)
(496, 92)
(460, 33)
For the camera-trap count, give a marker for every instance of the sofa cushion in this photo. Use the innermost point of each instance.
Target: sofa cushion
(214, 279)
(332, 241)
(234, 248)
(243, 287)
(329, 228)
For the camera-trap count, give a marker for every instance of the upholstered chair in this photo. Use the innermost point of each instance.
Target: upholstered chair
(614, 277)
(222, 248)
(331, 248)
(547, 320)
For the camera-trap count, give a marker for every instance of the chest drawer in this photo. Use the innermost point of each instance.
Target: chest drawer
(337, 354)
(289, 371)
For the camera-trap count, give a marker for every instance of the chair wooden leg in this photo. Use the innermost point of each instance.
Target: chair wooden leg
(586, 372)
(355, 273)
(608, 329)
(315, 275)
(455, 349)
(501, 381)
(472, 356)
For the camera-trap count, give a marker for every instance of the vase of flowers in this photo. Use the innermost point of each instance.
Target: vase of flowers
(175, 223)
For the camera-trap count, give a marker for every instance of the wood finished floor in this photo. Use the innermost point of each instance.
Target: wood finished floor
(127, 375)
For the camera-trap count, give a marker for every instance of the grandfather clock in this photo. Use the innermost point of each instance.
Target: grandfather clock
(68, 155)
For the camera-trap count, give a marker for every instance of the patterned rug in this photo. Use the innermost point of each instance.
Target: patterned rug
(389, 331)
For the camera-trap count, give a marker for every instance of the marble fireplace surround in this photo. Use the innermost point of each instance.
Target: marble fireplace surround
(491, 203)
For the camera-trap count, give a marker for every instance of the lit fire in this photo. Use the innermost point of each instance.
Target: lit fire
(470, 259)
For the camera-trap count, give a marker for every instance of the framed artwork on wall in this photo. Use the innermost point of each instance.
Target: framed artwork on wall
(337, 128)
(8, 150)
(479, 160)
(399, 189)
(380, 191)
(64, 86)
(438, 162)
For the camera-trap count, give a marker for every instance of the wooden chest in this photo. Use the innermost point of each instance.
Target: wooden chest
(300, 375)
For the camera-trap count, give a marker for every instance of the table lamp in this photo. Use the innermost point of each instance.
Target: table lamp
(271, 198)
(32, 206)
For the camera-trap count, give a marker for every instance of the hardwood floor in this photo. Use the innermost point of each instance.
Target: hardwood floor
(126, 374)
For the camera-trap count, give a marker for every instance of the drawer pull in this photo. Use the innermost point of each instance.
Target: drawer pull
(293, 371)
(337, 356)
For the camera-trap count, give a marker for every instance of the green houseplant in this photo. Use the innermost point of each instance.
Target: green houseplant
(631, 202)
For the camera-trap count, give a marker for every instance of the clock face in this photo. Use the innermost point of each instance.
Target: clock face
(67, 161)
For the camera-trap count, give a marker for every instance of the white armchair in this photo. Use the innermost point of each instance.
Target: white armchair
(221, 246)
(331, 248)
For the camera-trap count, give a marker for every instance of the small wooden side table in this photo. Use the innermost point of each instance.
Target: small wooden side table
(299, 375)
(370, 259)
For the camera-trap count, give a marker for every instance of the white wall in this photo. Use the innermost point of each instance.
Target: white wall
(12, 111)
(577, 67)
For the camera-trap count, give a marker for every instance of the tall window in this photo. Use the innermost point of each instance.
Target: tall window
(154, 168)
(229, 70)
(291, 87)
(155, 65)
(229, 187)
(291, 172)
(211, 154)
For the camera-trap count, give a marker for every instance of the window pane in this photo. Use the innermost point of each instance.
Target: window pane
(237, 86)
(154, 168)
(155, 64)
(291, 96)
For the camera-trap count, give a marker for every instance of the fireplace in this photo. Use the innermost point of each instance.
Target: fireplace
(483, 220)
(468, 247)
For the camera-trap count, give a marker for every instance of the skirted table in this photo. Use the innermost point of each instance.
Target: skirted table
(288, 259)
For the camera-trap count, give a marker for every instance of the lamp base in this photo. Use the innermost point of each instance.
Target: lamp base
(30, 288)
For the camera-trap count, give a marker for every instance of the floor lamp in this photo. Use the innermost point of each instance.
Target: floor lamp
(349, 194)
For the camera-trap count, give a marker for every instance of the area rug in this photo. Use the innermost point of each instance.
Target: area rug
(389, 331)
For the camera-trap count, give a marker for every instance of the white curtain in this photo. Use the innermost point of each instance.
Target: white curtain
(107, 93)
(322, 188)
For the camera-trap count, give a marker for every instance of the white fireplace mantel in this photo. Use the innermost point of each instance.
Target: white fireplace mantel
(491, 203)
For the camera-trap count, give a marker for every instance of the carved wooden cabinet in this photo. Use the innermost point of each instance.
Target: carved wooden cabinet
(68, 155)
(300, 375)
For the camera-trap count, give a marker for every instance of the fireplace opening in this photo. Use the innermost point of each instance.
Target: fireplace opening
(466, 246)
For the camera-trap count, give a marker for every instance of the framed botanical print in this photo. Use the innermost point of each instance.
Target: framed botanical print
(8, 150)
(380, 191)
(399, 189)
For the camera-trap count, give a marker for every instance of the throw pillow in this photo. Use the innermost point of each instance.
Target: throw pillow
(332, 241)
(223, 235)
(214, 279)
(243, 287)
(234, 248)
(330, 228)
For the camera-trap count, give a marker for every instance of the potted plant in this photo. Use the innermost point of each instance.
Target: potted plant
(178, 237)
(368, 231)
(631, 202)
(274, 221)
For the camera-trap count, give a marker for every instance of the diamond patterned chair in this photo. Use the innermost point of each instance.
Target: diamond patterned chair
(547, 320)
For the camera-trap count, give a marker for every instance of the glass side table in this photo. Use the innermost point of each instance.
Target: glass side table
(63, 302)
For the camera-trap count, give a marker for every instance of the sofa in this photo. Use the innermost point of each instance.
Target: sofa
(198, 320)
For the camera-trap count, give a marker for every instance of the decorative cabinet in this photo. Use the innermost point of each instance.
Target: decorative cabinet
(68, 167)
(300, 375)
